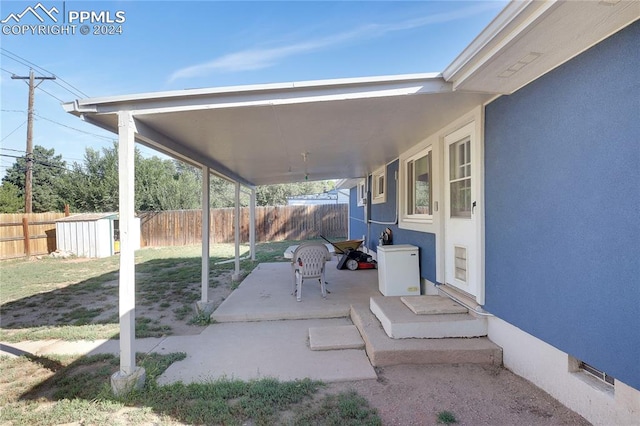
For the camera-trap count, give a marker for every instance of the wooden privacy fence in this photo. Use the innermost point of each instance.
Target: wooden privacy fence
(27, 234)
(35, 234)
(274, 223)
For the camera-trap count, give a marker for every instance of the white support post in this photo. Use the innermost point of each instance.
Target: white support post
(236, 223)
(129, 377)
(252, 223)
(205, 236)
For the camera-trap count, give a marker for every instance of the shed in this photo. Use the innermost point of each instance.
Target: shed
(91, 234)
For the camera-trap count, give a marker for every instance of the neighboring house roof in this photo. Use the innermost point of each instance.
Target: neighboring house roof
(332, 129)
(333, 196)
(88, 217)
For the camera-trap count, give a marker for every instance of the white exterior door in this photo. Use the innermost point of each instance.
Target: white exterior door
(462, 212)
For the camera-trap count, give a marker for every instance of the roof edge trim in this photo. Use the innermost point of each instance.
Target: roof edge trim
(473, 56)
(356, 81)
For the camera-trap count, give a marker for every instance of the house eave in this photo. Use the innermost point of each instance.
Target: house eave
(529, 39)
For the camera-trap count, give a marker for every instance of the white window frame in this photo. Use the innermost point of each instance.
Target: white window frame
(423, 217)
(418, 222)
(379, 186)
(361, 193)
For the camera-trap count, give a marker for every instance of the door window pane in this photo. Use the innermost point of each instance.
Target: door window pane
(460, 178)
(461, 198)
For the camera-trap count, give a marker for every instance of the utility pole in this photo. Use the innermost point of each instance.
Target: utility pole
(29, 159)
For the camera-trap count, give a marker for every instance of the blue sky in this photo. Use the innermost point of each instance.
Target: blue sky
(172, 45)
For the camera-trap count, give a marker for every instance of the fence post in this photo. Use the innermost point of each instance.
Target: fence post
(27, 237)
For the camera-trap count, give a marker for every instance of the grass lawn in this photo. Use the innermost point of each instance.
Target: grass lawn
(75, 390)
(76, 299)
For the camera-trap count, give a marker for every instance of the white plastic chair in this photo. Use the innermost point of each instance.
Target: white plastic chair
(309, 261)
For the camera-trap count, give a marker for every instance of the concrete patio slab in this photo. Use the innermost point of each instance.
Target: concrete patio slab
(253, 350)
(335, 338)
(266, 294)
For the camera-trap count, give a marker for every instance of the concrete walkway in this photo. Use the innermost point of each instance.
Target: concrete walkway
(278, 349)
(267, 333)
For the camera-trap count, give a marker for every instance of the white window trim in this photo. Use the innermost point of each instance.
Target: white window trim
(421, 223)
(378, 191)
(361, 193)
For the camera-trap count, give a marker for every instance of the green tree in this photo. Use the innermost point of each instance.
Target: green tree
(159, 184)
(93, 185)
(10, 199)
(48, 173)
(223, 193)
(166, 185)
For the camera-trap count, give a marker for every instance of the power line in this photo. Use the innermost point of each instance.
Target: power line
(27, 65)
(44, 163)
(77, 91)
(14, 130)
(53, 96)
(35, 161)
(13, 150)
(73, 128)
(36, 154)
(12, 156)
(18, 61)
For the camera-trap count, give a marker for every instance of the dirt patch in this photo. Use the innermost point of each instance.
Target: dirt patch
(476, 395)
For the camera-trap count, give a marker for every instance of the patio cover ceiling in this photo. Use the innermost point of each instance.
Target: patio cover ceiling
(278, 133)
(290, 132)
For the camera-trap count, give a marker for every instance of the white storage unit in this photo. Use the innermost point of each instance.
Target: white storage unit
(90, 234)
(398, 270)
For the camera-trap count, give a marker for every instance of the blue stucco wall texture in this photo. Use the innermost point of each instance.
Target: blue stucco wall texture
(386, 212)
(562, 197)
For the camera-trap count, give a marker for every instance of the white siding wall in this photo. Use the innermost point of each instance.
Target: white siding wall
(89, 238)
(550, 369)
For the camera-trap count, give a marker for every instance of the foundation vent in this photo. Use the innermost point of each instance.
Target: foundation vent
(461, 263)
(600, 375)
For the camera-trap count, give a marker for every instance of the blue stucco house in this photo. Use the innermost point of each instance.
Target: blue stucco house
(528, 207)
(515, 170)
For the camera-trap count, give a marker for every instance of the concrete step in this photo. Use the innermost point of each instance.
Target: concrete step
(383, 350)
(433, 305)
(336, 337)
(400, 322)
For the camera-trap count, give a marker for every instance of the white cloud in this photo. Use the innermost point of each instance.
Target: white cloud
(253, 59)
